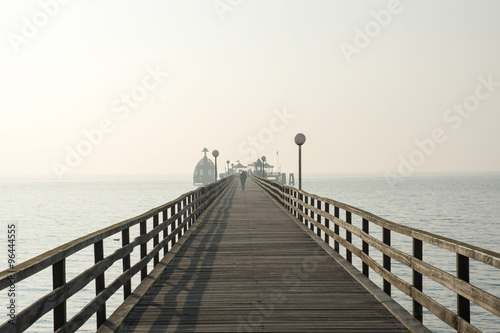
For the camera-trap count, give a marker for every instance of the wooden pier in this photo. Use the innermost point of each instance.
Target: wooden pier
(249, 267)
(268, 259)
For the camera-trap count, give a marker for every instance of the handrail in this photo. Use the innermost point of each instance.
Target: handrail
(314, 211)
(177, 216)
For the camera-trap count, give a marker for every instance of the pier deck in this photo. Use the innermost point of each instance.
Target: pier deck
(249, 267)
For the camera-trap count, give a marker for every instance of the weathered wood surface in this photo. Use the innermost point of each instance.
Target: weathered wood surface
(250, 268)
(301, 205)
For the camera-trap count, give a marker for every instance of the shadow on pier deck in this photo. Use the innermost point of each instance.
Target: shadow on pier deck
(250, 267)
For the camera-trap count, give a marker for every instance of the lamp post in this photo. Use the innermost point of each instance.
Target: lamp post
(227, 167)
(263, 165)
(299, 140)
(215, 153)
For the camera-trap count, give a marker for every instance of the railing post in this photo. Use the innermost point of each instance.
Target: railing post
(198, 205)
(417, 279)
(294, 202)
(179, 219)
(318, 217)
(59, 279)
(366, 248)
(156, 239)
(99, 281)
(165, 231)
(306, 211)
(336, 229)
(195, 205)
(386, 238)
(289, 202)
(311, 213)
(127, 287)
(327, 222)
(286, 201)
(301, 218)
(282, 192)
(172, 225)
(348, 236)
(184, 216)
(144, 249)
(191, 209)
(463, 304)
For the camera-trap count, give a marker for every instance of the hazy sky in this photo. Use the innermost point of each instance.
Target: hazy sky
(141, 87)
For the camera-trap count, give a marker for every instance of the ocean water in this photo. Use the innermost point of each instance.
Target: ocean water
(47, 214)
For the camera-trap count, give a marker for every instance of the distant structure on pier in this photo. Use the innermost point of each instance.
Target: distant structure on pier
(204, 172)
(262, 168)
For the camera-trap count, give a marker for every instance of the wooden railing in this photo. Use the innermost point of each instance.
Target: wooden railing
(176, 216)
(324, 215)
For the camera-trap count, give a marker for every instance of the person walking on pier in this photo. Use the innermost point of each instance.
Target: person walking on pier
(243, 179)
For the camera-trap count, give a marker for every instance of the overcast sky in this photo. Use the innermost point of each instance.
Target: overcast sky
(141, 87)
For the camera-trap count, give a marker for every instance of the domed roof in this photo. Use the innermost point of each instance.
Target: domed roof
(204, 172)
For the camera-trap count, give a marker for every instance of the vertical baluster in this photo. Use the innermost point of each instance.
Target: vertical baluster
(417, 279)
(184, 216)
(301, 218)
(366, 248)
(386, 238)
(318, 217)
(196, 195)
(336, 229)
(127, 287)
(59, 279)
(306, 211)
(195, 205)
(172, 225)
(165, 231)
(144, 249)
(327, 222)
(179, 219)
(285, 197)
(311, 225)
(156, 239)
(191, 209)
(99, 281)
(282, 193)
(187, 214)
(463, 304)
(198, 205)
(348, 236)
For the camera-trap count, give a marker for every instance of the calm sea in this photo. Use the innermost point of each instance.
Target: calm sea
(48, 214)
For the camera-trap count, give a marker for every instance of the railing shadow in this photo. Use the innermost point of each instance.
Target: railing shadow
(180, 305)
